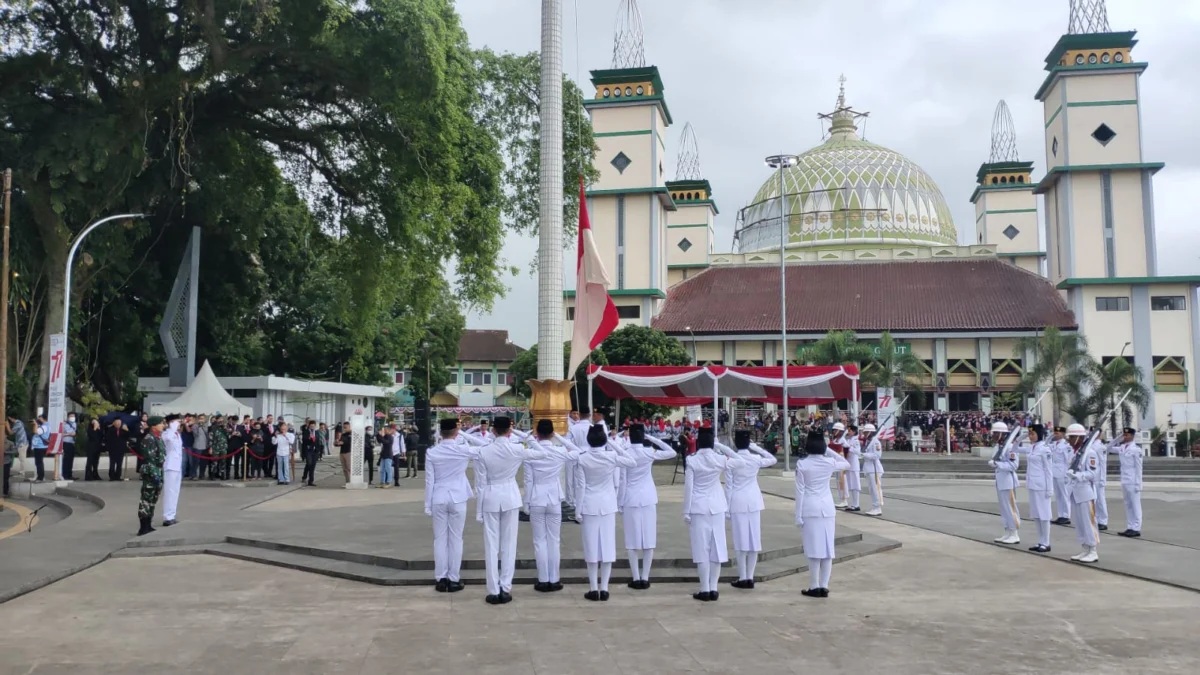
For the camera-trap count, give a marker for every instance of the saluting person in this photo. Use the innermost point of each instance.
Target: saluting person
(704, 509)
(596, 494)
(815, 511)
(1039, 482)
(1131, 482)
(1101, 449)
(854, 457)
(873, 469)
(638, 499)
(1082, 484)
(172, 469)
(154, 453)
(446, 493)
(1006, 485)
(1062, 452)
(543, 503)
(746, 505)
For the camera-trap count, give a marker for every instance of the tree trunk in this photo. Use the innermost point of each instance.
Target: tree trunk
(56, 241)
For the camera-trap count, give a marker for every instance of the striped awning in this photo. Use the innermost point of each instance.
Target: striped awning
(692, 385)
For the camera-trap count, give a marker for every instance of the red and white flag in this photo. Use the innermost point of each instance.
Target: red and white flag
(595, 313)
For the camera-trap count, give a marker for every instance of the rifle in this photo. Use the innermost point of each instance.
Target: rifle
(1091, 438)
(1012, 435)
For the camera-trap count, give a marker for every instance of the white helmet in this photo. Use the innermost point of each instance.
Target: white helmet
(868, 428)
(999, 428)
(839, 427)
(1076, 430)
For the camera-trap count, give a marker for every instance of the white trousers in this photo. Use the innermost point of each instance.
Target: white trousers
(1009, 514)
(1084, 517)
(1133, 507)
(1101, 505)
(1062, 497)
(448, 521)
(500, 541)
(875, 485)
(547, 540)
(171, 482)
(1040, 506)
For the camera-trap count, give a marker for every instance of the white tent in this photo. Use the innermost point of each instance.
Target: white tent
(205, 395)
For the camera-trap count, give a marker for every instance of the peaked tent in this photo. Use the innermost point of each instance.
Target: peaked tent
(205, 395)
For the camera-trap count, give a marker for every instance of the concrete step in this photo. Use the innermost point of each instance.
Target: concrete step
(684, 572)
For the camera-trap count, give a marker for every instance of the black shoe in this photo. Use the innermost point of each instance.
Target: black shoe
(555, 586)
(1134, 534)
(505, 597)
(145, 526)
(454, 586)
(523, 517)
(1124, 533)
(493, 600)
(542, 587)
(1062, 521)
(750, 584)
(603, 596)
(635, 584)
(168, 523)
(645, 584)
(1102, 528)
(594, 596)
(442, 585)
(702, 596)
(811, 592)
(713, 595)
(1040, 549)
(740, 583)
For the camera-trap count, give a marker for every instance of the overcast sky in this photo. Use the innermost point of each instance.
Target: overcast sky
(751, 76)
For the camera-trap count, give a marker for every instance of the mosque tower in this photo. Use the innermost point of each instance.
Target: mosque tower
(1005, 206)
(690, 230)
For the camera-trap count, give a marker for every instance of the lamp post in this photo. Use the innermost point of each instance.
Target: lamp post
(695, 361)
(783, 162)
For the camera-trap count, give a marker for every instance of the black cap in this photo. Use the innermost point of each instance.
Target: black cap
(171, 418)
(449, 424)
(705, 437)
(1061, 429)
(584, 410)
(741, 439)
(637, 434)
(501, 424)
(1131, 431)
(596, 436)
(815, 443)
(1039, 430)
(545, 428)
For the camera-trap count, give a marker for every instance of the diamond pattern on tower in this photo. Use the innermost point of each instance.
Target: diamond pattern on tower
(621, 161)
(685, 244)
(1104, 134)
(1011, 232)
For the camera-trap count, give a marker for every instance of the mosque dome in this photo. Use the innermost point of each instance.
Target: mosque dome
(847, 191)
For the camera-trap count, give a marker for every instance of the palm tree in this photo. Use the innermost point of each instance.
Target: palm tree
(1062, 366)
(1109, 383)
(838, 348)
(894, 370)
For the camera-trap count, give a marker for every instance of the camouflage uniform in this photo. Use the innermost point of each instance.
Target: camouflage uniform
(219, 445)
(154, 451)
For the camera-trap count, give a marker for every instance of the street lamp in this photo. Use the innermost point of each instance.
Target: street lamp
(1127, 344)
(695, 361)
(782, 162)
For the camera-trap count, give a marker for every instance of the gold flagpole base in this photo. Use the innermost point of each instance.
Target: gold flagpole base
(551, 400)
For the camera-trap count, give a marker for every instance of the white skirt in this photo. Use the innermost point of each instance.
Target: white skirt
(818, 537)
(853, 482)
(641, 527)
(707, 531)
(747, 531)
(1040, 505)
(599, 538)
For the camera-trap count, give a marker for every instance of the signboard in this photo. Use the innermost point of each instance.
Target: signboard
(887, 413)
(899, 348)
(58, 391)
(692, 412)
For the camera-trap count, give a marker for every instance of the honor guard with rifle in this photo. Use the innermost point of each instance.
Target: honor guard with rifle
(1101, 481)
(1006, 462)
(873, 469)
(853, 455)
(837, 440)
(1039, 481)
(1061, 450)
(1081, 476)
(1131, 482)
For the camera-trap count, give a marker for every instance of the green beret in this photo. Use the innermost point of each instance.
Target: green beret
(155, 420)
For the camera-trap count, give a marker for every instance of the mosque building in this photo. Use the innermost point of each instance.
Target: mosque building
(872, 246)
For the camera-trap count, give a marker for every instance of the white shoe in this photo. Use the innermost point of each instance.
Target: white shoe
(1080, 555)
(841, 505)
(1002, 539)
(873, 512)
(1090, 557)
(1013, 538)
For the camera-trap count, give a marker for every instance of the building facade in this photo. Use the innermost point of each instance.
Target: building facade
(479, 377)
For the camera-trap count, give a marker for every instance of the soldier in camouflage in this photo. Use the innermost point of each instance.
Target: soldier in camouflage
(218, 447)
(154, 452)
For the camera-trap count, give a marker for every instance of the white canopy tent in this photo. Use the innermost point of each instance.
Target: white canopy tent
(205, 395)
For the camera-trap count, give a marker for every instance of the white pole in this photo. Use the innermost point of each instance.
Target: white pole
(784, 423)
(948, 432)
(550, 198)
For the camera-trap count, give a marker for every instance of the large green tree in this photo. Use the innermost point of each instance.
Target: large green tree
(1107, 385)
(524, 368)
(899, 370)
(636, 345)
(1061, 367)
(837, 348)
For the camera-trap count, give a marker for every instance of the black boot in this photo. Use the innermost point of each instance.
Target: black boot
(145, 529)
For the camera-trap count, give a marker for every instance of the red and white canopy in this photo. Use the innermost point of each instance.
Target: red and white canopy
(692, 385)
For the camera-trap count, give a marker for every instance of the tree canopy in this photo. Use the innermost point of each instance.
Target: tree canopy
(1061, 367)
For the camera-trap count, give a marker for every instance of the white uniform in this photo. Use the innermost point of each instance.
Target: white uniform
(1101, 480)
(446, 493)
(816, 514)
(1039, 481)
(1062, 452)
(1131, 483)
(873, 470)
(172, 470)
(596, 492)
(746, 506)
(577, 435)
(543, 502)
(854, 457)
(1007, 482)
(638, 499)
(1083, 495)
(497, 504)
(704, 509)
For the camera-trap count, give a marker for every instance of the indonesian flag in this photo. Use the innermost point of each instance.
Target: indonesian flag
(595, 313)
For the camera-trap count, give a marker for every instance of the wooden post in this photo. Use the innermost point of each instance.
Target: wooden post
(4, 274)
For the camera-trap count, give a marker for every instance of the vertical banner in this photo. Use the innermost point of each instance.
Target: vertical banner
(886, 413)
(58, 391)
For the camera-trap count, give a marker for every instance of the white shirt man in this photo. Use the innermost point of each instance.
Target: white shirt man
(1006, 462)
(1081, 477)
(854, 458)
(446, 493)
(577, 435)
(172, 470)
(1102, 449)
(1062, 453)
(746, 505)
(596, 497)
(498, 504)
(284, 441)
(1131, 456)
(1039, 481)
(704, 509)
(873, 469)
(543, 503)
(638, 499)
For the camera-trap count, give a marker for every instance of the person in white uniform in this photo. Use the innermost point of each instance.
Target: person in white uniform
(746, 505)
(1039, 482)
(837, 443)
(1081, 477)
(577, 434)
(1062, 452)
(815, 512)
(638, 499)
(854, 457)
(172, 470)
(446, 493)
(873, 469)
(1006, 485)
(498, 502)
(543, 503)
(1131, 456)
(596, 493)
(704, 509)
(1101, 449)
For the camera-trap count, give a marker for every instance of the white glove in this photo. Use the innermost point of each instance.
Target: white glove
(799, 522)
(428, 512)
(687, 518)
(1072, 475)
(992, 463)
(728, 516)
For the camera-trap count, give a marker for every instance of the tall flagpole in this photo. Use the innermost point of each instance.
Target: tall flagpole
(550, 198)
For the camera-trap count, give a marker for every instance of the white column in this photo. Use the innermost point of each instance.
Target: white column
(550, 195)
(358, 427)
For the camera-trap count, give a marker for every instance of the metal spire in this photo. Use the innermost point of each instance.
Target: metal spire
(1004, 136)
(629, 51)
(844, 119)
(687, 165)
(1088, 16)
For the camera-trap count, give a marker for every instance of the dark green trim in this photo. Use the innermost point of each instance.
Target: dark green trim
(607, 134)
(1090, 104)
(1052, 175)
(1011, 211)
(656, 98)
(664, 195)
(1094, 41)
(688, 225)
(628, 76)
(1053, 117)
(1127, 281)
(1004, 187)
(1023, 254)
(691, 266)
(617, 292)
(1056, 70)
(996, 167)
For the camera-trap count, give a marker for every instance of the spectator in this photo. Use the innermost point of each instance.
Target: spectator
(21, 440)
(116, 442)
(385, 458)
(95, 441)
(39, 443)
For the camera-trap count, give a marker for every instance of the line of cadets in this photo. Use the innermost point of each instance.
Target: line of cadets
(1076, 488)
(606, 474)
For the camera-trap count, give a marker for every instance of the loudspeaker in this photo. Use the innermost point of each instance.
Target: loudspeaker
(421, 416)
